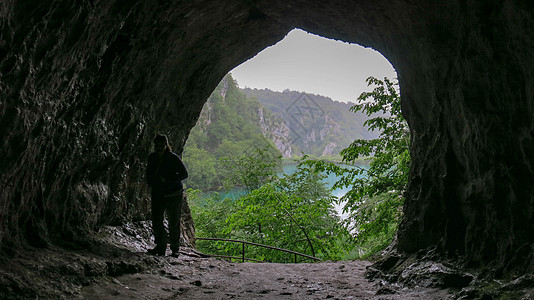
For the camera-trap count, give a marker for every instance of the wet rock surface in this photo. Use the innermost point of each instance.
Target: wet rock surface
(57, 272)
(193, 278)
(397, 272)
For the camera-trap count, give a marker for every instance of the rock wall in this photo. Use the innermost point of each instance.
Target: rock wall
(85, 85)
(471, 112)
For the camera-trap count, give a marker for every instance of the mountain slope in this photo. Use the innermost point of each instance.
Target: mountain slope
(317, 125)
(236, 121)
(229, 125)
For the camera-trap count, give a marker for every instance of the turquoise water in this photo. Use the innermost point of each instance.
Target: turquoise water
(330, 180)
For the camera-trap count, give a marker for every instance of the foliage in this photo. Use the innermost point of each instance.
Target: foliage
(204, 166)
(229, 125)
(251, 171)
(235, 120)
(210, 214)
(375, 199)
(294, 212)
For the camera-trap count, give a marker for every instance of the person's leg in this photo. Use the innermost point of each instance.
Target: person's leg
(174, 212)
(160, 236)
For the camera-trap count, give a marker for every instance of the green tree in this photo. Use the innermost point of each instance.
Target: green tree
(375, 200)
(203, 164)
(294, 212)
(210, 214)
(252, 170)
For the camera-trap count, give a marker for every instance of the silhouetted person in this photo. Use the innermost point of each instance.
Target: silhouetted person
(164, 174)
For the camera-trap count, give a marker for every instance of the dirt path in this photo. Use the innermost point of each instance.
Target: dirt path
(114, 266)
(208, 278)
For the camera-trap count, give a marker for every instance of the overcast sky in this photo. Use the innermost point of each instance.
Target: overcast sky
(313, 64)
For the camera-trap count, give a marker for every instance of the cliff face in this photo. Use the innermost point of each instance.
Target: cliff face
(313, 124)
(276, 130)
(85, 85)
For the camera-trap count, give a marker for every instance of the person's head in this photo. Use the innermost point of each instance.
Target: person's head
(161, 144)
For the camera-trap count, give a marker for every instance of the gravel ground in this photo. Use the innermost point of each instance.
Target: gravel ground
(189, 277)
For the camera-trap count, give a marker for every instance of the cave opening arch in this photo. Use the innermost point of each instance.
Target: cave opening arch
(299, 62)
(448, 101)
(119, 73)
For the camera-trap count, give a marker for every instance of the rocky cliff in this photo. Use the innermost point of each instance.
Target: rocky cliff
(316, 125)
(275, 129)
(230, 125)
(85, 85)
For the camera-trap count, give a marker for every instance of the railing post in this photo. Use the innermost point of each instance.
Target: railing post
(295, 257)
(243, 251)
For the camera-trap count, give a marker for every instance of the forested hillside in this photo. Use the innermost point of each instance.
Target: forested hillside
(230, 125)
(237, 121)
(318, 125)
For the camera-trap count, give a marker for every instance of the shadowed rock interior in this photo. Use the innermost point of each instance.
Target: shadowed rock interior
(85, 85)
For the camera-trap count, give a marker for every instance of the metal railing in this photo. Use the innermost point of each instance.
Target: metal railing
(243, 258)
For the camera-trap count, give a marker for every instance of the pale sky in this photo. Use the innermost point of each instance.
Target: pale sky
(313, 64)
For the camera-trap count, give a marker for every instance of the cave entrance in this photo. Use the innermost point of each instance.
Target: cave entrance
(130, 71)
(293, 97)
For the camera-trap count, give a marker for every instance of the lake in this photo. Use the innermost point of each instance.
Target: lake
(330, 180)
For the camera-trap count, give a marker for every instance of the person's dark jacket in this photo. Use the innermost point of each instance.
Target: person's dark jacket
(165, 174)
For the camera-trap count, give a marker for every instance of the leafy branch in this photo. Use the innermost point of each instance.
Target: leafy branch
(375, 199)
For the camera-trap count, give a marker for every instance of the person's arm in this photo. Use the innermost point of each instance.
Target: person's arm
(182, 171)
(177, 171)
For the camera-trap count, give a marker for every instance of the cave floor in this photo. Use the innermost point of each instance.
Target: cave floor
(208, 278)
(114, 265)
